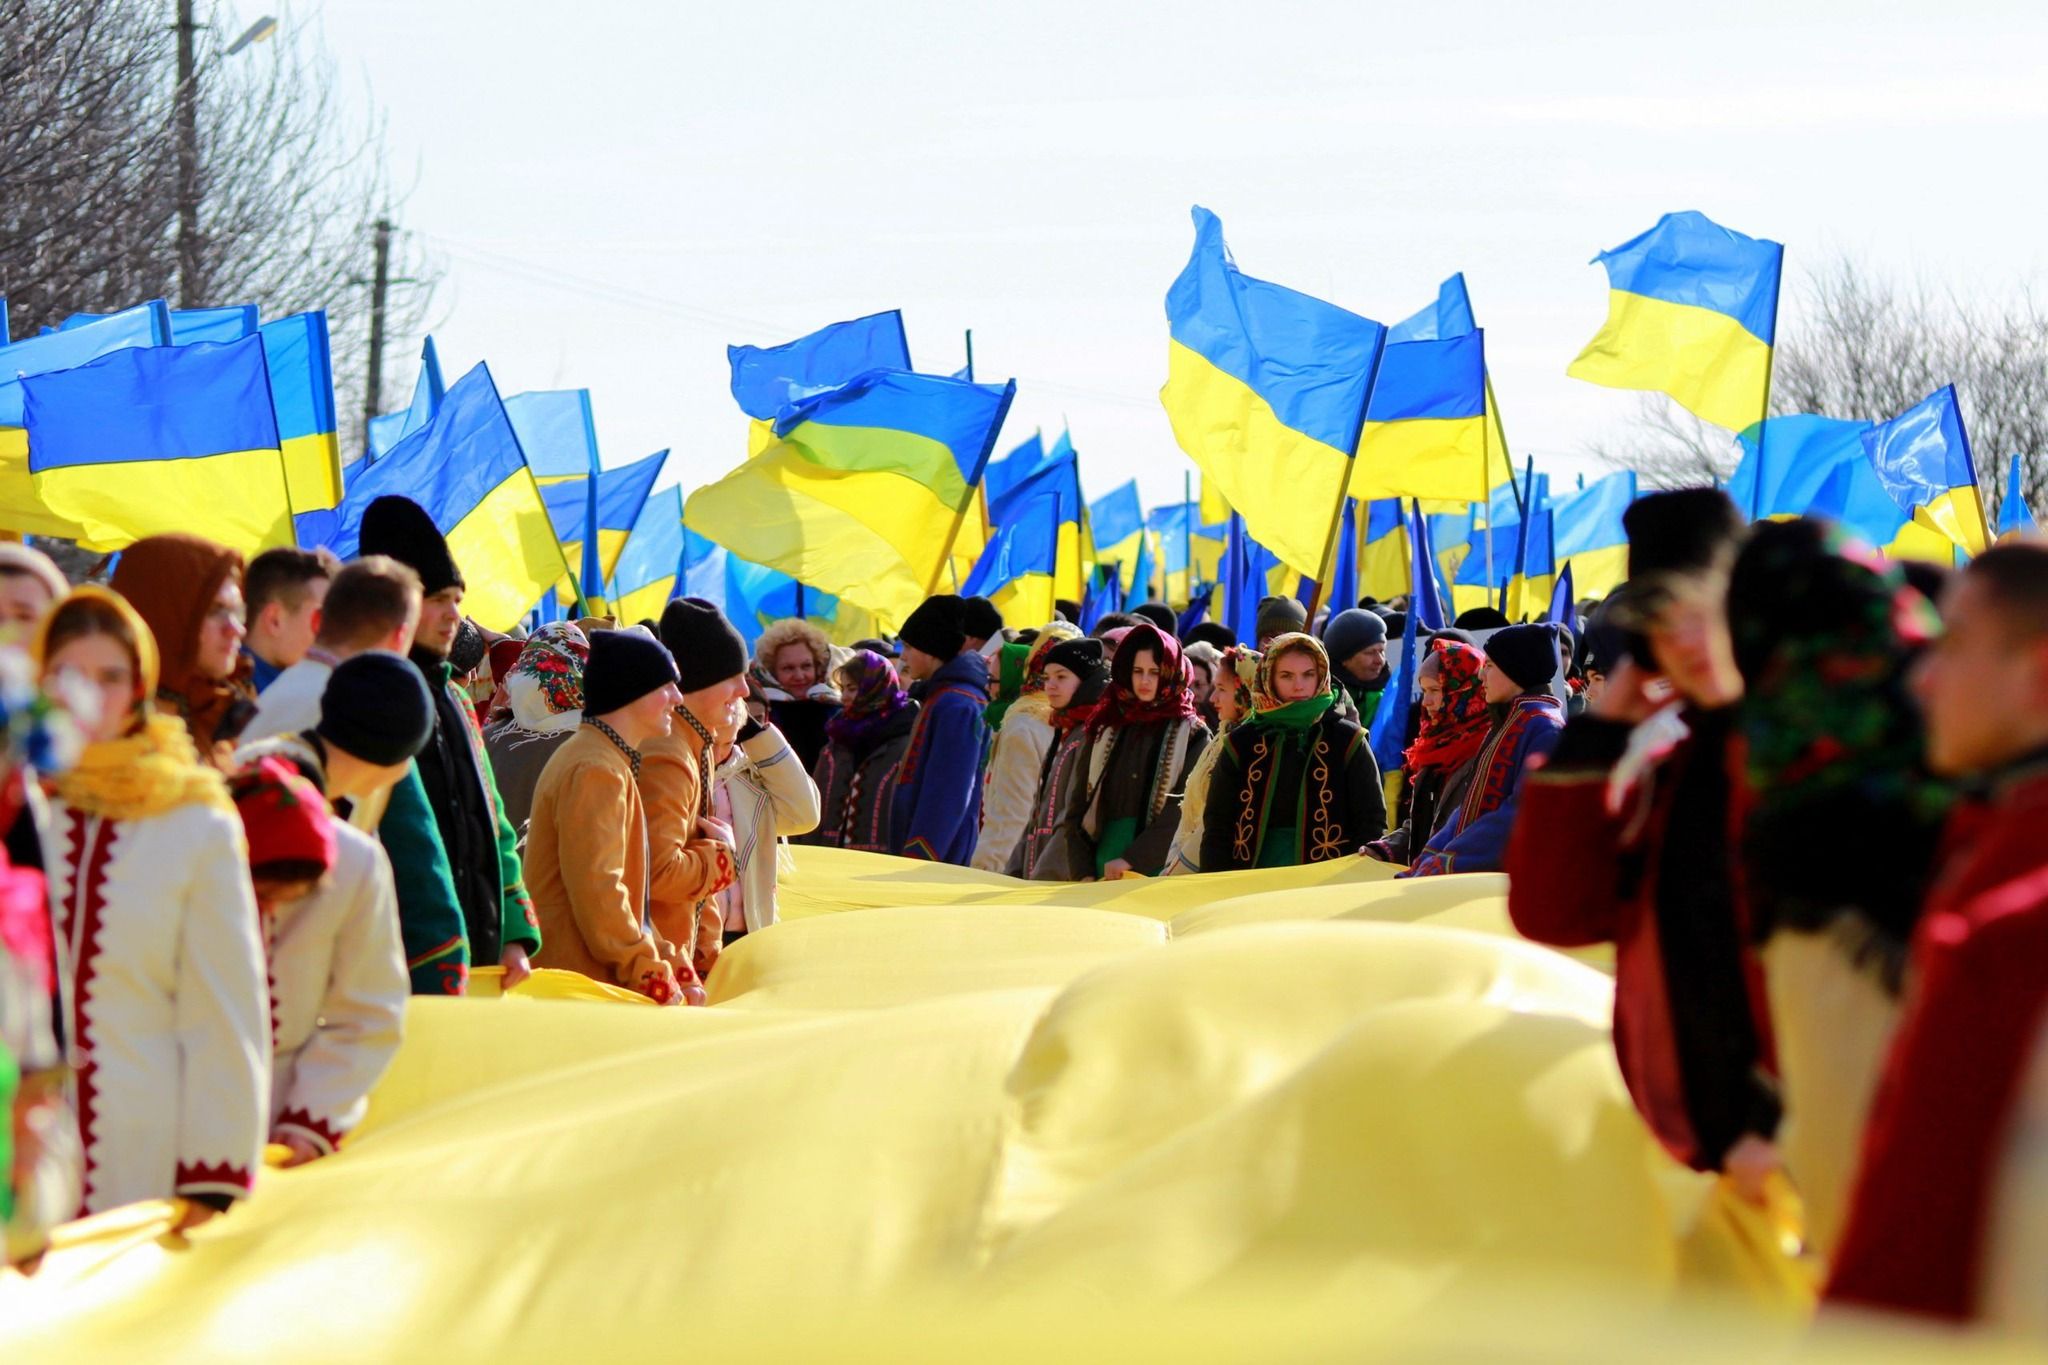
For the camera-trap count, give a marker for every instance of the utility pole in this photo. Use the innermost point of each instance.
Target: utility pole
(187, 109)
(372, 398)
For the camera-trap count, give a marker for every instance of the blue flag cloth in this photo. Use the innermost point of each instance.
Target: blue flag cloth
(1389, 736)
(767, 379)
(2015, 517)
(1922, 458)
(1564, 607)
(1426, 601)
(1344, 574)
(428, 390)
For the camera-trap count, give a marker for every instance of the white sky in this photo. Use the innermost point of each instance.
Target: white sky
(620, 189)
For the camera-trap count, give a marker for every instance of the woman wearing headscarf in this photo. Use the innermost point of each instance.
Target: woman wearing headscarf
(1296, 783)
(544, 692)
(1075, 674)
(164, 1001)
(1234, 671)
(856, 774)
(1825, 633)
(1440, 761)
(188, 590)
(1024, 735)
(1141, 744)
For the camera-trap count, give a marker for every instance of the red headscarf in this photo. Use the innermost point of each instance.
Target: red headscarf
(1454, 733)
(1120, 705)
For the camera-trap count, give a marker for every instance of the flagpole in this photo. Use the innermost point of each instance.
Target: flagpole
(1187, 512)
(1756, 492)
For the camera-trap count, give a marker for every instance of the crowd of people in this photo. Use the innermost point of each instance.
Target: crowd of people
(1802, 790)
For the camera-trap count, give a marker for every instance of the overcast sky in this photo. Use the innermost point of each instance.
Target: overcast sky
(618, 190)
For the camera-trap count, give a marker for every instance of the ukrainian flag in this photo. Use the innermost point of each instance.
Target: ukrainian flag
(767, 379)
(864, 489)
(21, 507)
(1485, 579)
(1425, 425)
(650, 564)
(1922, 458)
(1802, 465)
(1037, 529)
(1013, 468)
(1692, 311)
(1116, 523)
(302, 397)
(150, 439)
(1536, 568)
(1450, 317)
(467, 470)
(1588, 536)
(2015, 517)
(620, 495)
(1184, 543)
(1266, 390)
(389, 429)
(1248, 573)
(1385, 566)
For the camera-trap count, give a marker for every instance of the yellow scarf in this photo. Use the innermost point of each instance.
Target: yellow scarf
(154, 770)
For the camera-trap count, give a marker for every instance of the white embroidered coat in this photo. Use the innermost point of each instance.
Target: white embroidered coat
(166, 1006)
(1010, 787)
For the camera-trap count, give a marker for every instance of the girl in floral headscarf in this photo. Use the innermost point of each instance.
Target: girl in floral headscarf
(1297, 782)
(865, 740)
(545, 691)
(1440, 761)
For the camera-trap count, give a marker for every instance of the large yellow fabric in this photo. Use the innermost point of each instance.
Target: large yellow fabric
(941, 1115)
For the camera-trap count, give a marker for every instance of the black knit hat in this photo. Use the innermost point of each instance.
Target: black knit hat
(1159, 614)
(1215, 632)
(1080, 656)
(1481, 618)
(624, 666)
(1527, 654)
(938, 626)
(707, 649)
(466, 655)
(1279, 615)
(376, 708)
(1682, 531)
(401, 528)
(979, 617)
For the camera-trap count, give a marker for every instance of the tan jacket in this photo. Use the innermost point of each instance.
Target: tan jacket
(688, 869)
(588, 869)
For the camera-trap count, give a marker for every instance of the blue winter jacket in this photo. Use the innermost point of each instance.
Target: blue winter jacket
(937, 812)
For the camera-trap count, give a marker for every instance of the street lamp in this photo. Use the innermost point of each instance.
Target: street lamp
(255, 33)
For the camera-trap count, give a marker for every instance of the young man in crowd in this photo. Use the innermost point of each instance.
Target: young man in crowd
(1356, 641)
(937, 814)
(1949, 1217)
(189, 590)
(482, 850)
(693, 851)
(283, 590)
(587, 845)
(1279, 616)
(984, 627)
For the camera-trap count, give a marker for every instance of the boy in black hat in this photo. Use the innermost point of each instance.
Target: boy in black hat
(937, 811)
(482, 849)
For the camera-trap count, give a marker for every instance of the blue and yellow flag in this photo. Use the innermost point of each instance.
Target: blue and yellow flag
(1536, 567)
(302, 397)
(1588, 537)
(1803, 465)
(1116, 525)
(389, 429)
(1266, 390)
(467, 470)
(1037, 534)
(1185, 543)
(2015, 517)
(1425, 424)
(1922, 457)
(650, 564)
(864, 489)
(767, 379)
(150, 439)
(21, 506)
(1385, 562)
(558, 434)
(1012, 469)
(621, 495)
(1692, 311)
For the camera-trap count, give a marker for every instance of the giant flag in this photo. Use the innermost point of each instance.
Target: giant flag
(162, 438)
(467, 470)
(1266, 389)
(1922, 457)
(864, 488)
(1692, 310)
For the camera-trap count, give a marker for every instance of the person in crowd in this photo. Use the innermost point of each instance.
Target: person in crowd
(544, 690)
(1076, 675)
(1479, 620)
(886, 648)
(189, 591)
(1296, 783)
(1112, 621)
(39, 1158)
(1356, 641)
(983, 624)
(1825, 634)
(337, 954)
(1213, 632)
(797, 659)
(856, 775)
(31, 585)
(1141, 745)
(937, 811)
(500, 659)
(1279, 616)
(282, 591)
(1204, 661)
(1521, 663)
(1439, 764)
(694, 855)
(1237, 669)
(482, 850)
(1023, 735)
(587, 847)
(763, 795)
(1159, 614)
(468, 660)
(1949, 1212)
(165, 1010)
(1625, 838)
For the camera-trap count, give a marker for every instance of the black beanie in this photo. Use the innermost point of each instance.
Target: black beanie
(707, 649)
(1682, 531)
(1080, 656)
(1280, 615)
(979, 617)
(1527, 654)
(401, 528)
(376, 708)
(624, 666)
(466, 656)
(1215, 632)
(1481, 618)
(1159, 614)
(938, 626)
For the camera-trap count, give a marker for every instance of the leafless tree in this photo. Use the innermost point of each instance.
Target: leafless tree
(1863, 346)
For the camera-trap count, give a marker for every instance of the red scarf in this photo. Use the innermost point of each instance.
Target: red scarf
(1120, 705)
(1456, 732)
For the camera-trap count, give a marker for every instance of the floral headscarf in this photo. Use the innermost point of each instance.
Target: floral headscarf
(1269, 712)
(1121, 707)
(871, 695)
(1238, 670)
(545, 688)
(1456, 732)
